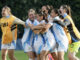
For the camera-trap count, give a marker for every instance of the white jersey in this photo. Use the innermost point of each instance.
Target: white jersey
(60, 36)
(27, 40)
(49, 40)
(38, 41)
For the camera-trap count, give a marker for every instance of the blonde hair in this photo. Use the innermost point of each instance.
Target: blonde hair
(31, 11)
(8, 9)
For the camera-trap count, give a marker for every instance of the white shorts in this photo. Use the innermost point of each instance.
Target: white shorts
(58, 49)
(28, 48)
(60, 37)
(27, 41)
(38, 44)
(50, 42)
(54, 49)
(11, 45)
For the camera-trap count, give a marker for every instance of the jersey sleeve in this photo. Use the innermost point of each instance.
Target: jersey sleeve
(75, 30)
(18, 21)
(65, 23)
(27, 22)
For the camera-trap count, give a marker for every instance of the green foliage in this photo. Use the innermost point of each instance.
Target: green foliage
(20, 7)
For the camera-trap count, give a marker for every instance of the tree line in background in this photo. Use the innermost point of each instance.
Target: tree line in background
(20, 9)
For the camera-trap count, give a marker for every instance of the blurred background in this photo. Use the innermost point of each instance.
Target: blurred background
(20, 9)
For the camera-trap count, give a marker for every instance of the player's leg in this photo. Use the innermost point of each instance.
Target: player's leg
(29, 51)
(54, 55)
(60, 52)
(31, 55)
(43, 55)
(11, 54)
(47, 57)
(73, 49)
(72, 56)
(38, 57)
(11, 48)
(3, 53)
(61, 55)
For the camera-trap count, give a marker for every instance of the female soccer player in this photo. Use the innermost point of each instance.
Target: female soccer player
(9, 29)
(47, 42)
(28, 37)
(75, 35)
(60, 36)
(38, 40)
(45, 10)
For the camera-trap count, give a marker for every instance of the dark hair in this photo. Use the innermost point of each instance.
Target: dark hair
(39, 13)
(67, 8)
(49, 8)
(56, 11)
(45, 17)
(42, 14)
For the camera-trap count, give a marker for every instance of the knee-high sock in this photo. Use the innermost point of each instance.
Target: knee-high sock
(30, 59)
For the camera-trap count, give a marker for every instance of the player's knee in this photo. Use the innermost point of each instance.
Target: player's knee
(60, 57)
(31, 56)
(11, 56)
(54, 55)
(42, 56)
(70, 56)
(44, 53)
(3, 55)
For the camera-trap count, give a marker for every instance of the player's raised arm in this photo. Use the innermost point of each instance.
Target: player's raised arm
(19, 21)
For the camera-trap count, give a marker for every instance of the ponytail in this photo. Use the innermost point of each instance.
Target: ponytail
(68, 9)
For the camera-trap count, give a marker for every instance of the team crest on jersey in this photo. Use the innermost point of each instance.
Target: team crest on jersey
(4, 24)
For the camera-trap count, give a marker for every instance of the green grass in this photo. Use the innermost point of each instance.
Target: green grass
(20, 55)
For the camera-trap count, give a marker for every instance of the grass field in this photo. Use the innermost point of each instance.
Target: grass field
(20, 55)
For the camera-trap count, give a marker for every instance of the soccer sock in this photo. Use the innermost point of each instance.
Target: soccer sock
(30, 59)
